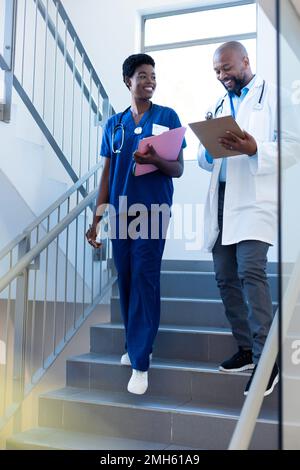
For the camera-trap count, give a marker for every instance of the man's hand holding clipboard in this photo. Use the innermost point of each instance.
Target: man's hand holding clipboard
(222, 137)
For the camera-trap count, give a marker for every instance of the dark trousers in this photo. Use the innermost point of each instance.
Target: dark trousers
(241, 277)
(138, 262)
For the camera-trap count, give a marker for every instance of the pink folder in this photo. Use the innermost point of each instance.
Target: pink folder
(167, 145)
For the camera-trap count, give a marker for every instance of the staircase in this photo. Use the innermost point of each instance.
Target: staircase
(189, 403)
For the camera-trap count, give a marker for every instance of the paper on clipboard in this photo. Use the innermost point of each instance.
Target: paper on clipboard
(167, 145)
(209, 131)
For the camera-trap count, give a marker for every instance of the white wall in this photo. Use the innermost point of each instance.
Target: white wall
(116, 25)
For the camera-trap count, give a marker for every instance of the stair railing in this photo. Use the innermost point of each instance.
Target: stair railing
(46, 63)
(50, 284)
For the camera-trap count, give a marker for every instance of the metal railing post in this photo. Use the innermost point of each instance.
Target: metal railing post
(9, 56)
(20, 334)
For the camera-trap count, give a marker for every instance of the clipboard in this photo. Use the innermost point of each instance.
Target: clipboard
(167, 145)
(209, 131)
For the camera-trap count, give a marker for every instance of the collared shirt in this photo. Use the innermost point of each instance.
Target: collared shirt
(236, 101)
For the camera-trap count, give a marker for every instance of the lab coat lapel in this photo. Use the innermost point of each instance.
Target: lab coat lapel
(253, 93)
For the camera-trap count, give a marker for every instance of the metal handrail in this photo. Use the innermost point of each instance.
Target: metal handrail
(92, 99)
(23, 301)
(50, 237)
(30, 228)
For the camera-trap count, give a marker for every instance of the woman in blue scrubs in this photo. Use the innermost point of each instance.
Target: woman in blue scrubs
(135, 202)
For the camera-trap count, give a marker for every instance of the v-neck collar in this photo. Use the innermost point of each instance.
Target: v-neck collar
(142, 121)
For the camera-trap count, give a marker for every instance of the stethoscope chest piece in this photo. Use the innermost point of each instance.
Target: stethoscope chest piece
(138, 130)
(258, 107)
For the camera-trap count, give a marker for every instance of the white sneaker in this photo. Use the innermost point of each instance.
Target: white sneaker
(138, 383)
(125, 360)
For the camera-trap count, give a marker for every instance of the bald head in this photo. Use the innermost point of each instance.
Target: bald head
(232, 66)
(232, 47)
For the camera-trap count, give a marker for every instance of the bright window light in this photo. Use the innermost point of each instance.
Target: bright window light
(199, 25)
(2, 353)
(186, 80)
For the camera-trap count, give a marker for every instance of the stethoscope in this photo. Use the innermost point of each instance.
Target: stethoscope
(120, 127)
(219, 108)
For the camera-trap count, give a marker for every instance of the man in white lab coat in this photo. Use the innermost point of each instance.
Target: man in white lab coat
(241, 206)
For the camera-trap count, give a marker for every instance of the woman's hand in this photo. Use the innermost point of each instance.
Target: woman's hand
(91, 236)
(145, 158)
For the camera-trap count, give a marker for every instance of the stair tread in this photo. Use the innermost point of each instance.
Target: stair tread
(196, 273)
(172, 328)
(201, 300)
(150, 403)
(159, 363)
(72, 440)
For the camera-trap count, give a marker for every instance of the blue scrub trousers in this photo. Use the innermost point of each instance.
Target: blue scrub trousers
(241, 277)
(138, 263)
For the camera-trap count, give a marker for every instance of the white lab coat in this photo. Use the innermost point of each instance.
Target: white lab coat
(250, 205)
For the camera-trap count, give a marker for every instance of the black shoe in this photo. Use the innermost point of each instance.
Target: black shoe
(240, 361)
(274, 379)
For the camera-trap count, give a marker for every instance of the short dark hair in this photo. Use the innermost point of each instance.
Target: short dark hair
(133, 62)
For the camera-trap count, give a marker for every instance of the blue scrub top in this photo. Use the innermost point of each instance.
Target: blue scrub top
(152, 188)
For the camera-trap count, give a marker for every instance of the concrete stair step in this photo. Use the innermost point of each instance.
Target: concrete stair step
(196, 285)
(47, 438)
(181, 311)
(172, 342)
(156, 419)
(186, 343)
(205, 313)
(206, 265)
(200, 382)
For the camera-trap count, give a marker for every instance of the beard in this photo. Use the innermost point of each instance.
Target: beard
(236, 84)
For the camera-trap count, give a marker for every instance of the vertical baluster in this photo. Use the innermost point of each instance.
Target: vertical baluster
(64, 85)
(92, 258)
(73, 101)
(7, 339)
(76, 266)
(55, 68)
(101, 267)
(97, 130)
(34, 51)
(84, 258)
(56, 286)
(33, 313)
(20, 331)
(81, 114)
(45, 55)
(66, 275)
(90, 119)
(45, 299)
(24, 41)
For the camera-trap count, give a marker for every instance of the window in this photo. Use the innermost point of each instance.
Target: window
(182, 45)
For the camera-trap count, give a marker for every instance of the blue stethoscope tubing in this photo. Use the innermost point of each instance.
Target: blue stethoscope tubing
(120, 126)
(257, 106)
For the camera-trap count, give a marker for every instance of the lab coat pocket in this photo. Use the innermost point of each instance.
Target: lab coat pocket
(266, 188)
(258, 125)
